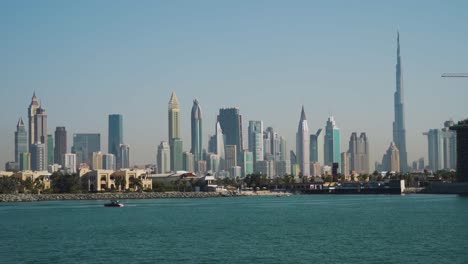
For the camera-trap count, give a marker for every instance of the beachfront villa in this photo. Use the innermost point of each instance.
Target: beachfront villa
(101, 180)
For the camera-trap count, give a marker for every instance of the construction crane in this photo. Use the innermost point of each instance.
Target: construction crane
(455, 75)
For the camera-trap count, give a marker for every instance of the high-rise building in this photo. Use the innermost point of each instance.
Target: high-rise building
(109, 161)
(267, 168)
(24, 161)
(284, 153)
(231, 124)
(462, 150)
(332, 149)
(220, 141)
(345, 161)
(60, 145)
(40, 126)
(50, 149)
(38, 157)
(283, 167)
(358, 153)
(31, 125)
(202, 168)
(255, 138)
(231, 156)
(435, 147)
(391, 159)
(174, 119)
(176, 154)
(115, 136)
(212, 143)
(273, 140)
(164, 157)
(214, 163)
(316, 147)
(248, 163)
(84, 144)
(69, 163)
(21, 140)
(421, 164)
(124, 157)
(188, 161)
(449, 139)
(302, 145)
(196, 122)
(399, 131)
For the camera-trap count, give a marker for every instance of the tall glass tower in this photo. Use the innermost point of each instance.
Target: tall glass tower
(231, 124)
(21, 140)
(399, 131)
(332, 149)
(115, 138)
(173, 118)
(196, 121)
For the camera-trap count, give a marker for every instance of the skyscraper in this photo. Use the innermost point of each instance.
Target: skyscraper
(60, 145)
(462, 150)
(391, 159)
(25, 161)
(302, 145)
(38, 157)
(231, 123)
(196, 122)
(40, 136)
(164, 157)
(174, 119)
(358, 153)
(69, 162)
(316, 147)
(255, 138)
(188, 162)
(220, 141)
(332, 149)
(345, 158)
(176, 154)
(435, 148)
(50, 149)
(231, 157)
(399, 131)
(115, 136)
(449, 138)
(248, 163)
(84, 144)
(31, 113)
(21, 140)
(124, 154)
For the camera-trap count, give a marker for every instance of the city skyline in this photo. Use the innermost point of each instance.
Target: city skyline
(289, 82)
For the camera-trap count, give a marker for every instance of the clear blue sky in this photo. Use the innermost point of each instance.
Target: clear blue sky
(87, 59)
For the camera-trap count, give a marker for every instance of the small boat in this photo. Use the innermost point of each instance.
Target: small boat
(114, 203)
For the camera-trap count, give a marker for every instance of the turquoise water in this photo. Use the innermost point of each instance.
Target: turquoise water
(295, 229)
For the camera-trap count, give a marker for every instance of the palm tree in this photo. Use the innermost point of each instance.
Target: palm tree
(38, 185)
(136, 184)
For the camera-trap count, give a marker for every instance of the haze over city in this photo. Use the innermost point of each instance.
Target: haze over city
(267, 58)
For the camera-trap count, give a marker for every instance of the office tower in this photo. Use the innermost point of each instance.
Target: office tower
(267, 168)
(212, 143)
(174, 118)
(391, 159)
(60, 145)
(231, 124)
(302, 145)
(462, 150)
(231, 156)
(255, 137)
(31, 124)
(21, 140)
(220, 141)
(293, 157)
(196, 122)
(235, 171)
(359, 153)
(97, 160)
(434, 147)
(164, 157)
(40, 132)
(345, 161)
(283, 167)
(214, 163)
(69, 163)
(266, 145)
(38, 157)
(84, 144)
(421, 164)
(202, 167)
(124, 154)
(449, 139)
(284, 153)
(248, 163)
(188, 161)
(115, 136)
(176, 154)
(50, 150)
(316, 147)
(109, 161)
(399, 131)
(24, 161)
(332, 149)
(273, 140)
(315, 169)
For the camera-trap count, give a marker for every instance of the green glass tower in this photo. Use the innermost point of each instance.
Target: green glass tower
(21, 140)
(115, 138)
(176, 154)
(332, 149)
(196, 121)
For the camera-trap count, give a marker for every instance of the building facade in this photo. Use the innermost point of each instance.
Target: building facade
(302, 145)
(462, 150)
(176, 154)
(115, 136)
(255, 138)
(316, 147)
(60, 145)
(69, 163)
(84, 144)
(21, 140)
(124, 154)
(164, 157)
(332, 148)
(196, 131)
(358, 153)
(230, 121)
(173, 118)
